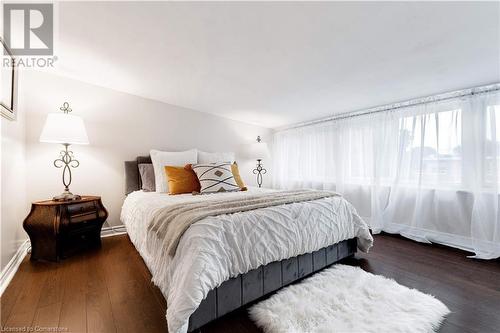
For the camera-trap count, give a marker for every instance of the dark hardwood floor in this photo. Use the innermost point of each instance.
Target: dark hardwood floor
(109, 290)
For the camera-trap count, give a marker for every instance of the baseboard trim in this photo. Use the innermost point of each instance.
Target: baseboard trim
(10, 270)
(113, 231)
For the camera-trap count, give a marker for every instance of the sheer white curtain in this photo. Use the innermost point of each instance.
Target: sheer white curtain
(430, 172)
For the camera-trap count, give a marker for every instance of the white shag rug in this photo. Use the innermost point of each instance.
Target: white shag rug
(348, 299)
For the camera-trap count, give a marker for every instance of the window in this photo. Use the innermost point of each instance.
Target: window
(492, 145)
(431, 147)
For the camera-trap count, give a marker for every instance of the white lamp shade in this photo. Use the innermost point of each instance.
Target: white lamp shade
(258, 150)
(64, 128)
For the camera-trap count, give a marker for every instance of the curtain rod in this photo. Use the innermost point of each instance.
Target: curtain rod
(399, 105)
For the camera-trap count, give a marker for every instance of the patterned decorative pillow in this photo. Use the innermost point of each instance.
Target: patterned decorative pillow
(215, 177)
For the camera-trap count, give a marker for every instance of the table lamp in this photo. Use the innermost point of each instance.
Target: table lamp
(66, 129)
(259, 151)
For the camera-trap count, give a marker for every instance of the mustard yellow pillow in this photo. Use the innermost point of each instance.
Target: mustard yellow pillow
(237, 177)
(181, 179)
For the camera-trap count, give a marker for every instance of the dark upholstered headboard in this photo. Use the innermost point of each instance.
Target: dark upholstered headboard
(132, 176)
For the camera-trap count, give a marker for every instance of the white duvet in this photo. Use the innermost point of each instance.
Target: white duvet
(217, 248)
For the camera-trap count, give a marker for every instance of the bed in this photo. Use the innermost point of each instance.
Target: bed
(225, 262)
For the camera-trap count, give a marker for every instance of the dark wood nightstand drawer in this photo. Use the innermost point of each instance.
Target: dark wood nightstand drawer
(79, 218)
(76, 228)
(81, 208)
(80, 239)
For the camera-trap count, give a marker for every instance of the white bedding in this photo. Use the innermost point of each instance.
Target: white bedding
(218, 248)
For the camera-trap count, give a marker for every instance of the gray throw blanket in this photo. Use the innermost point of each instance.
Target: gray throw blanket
(170, 223)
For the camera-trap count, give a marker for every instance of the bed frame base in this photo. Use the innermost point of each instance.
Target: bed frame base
(249, 287)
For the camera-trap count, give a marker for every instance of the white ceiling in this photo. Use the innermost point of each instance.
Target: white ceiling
(275, 64)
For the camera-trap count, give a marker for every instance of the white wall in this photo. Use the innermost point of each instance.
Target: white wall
(120, 126)
(14, 206)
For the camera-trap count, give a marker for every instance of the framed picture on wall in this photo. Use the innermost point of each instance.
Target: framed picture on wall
(7, 82)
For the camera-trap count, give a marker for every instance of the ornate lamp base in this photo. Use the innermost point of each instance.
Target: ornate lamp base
(67, 196)
(259, 171)
(66, 161)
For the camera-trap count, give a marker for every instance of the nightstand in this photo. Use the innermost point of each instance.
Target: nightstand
(58, 229)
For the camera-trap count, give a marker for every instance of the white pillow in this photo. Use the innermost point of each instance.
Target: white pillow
(162, 158)
(204, 157)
